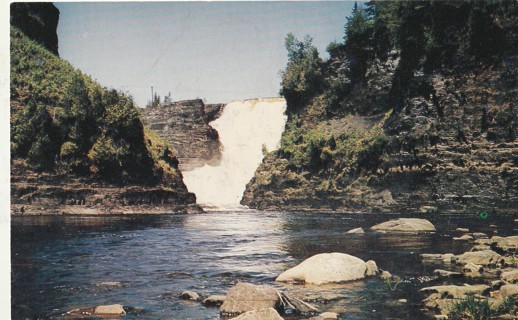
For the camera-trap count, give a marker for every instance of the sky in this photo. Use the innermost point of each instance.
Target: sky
(216, 51)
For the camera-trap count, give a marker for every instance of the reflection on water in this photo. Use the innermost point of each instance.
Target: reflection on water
(145, 262)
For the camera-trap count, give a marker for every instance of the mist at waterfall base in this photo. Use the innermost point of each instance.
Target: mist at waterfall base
(244, 128)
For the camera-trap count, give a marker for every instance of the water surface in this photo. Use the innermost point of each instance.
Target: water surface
(145, 262)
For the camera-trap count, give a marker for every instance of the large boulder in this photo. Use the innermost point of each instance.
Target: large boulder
(326, 268)
(264, 314)
(245, 297)
(405, 225)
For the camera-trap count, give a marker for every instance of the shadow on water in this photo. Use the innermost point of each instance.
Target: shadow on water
(145, 262)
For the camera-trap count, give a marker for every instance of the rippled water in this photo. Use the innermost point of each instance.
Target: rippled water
(145, 262)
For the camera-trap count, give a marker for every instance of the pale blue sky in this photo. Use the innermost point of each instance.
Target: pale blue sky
(218, 51)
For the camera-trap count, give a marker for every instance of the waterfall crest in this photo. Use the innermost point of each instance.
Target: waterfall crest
(243, 127)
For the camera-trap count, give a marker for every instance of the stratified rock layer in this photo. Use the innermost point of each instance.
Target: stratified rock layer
(185, 125)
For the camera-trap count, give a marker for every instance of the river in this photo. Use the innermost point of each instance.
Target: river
(145, 262)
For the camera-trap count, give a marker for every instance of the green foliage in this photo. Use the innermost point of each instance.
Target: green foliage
(303, 78)
(63, 120)
(105, 156)
(68, 150)
(471, 308)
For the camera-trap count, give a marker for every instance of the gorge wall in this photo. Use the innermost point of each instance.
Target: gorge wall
(38, 21)
(430, 126)
(77, 147)
(185, 125)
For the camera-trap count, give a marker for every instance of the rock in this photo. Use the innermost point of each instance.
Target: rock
(437, 258)
(264, 314)
(496, 284)
(39, 21)
(110, 310)
(372, 269)
(99, 312)
(405, 225)
(189, 295)
(245, 297)
(465, 237)
(473, 268)
(213, 301)
(456, 292)
(356, 231)
(510, 276)
(447, 274)
(462, 230)
(326, 268)
(484, 258)
(385, 275)
(507, 244)
(478, 235)
(440, 317)
(427, 209)
(509, 290)
(329, 315)
(480, 247)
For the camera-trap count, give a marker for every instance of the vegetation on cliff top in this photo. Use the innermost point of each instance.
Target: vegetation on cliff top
(63, 121)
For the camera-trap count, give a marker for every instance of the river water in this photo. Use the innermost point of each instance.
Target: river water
(145, 262)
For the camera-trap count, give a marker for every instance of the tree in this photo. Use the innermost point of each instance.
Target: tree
(303, 76)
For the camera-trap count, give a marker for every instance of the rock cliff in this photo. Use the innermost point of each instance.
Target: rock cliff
(429, 126)
(39, 21)
(185, 125)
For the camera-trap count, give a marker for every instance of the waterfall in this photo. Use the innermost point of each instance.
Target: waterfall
(243, 127)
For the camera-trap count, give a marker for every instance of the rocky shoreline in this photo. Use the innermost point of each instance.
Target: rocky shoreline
(35, 193)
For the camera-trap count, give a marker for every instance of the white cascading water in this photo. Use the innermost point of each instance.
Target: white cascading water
(243, 127)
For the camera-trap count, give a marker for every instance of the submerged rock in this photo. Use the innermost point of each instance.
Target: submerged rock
(99, 312)
(405, 225)
(264, 314)
(190, 295)
(245, 297)
(326, 268)
(214, 300)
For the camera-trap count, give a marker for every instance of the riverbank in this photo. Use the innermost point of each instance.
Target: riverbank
(42, 193)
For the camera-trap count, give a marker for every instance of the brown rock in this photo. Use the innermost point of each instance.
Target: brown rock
(245, 297)
(264, 314)
(509, 290)
(405, 225)
(510, 276)
(484, 258)
(214, 300)
(110, 310)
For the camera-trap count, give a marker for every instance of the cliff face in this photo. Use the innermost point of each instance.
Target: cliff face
(410, 134)
(185, 125)
(38, 21)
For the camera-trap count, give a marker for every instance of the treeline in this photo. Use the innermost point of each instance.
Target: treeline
(444, 35)
(63, 121)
